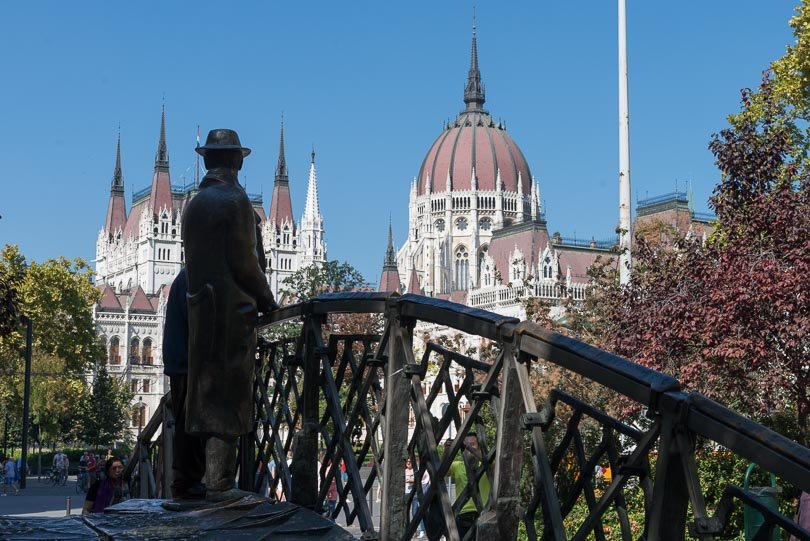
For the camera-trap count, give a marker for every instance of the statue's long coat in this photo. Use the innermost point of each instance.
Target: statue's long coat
(225, 284)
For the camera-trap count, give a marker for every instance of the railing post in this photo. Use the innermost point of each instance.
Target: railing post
(305, 443)
(144, 468)
(393, 513)
(247, 462)
(667, 520)
(167, 434)
(501, 519)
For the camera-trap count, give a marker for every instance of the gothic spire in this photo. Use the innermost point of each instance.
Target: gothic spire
(474, 89)
(312, 232)
(312, 210)
(390, 254)
(281, 167)
(162, 154)
(389, 280)
(116, 218)
(118, 176)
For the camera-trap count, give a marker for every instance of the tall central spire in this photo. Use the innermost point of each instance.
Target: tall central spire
(118, 176)
(474, 89)
(281, 167)
(162, 154)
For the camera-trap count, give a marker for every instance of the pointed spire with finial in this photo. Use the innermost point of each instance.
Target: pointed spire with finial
(312, 231)
(312, 209)
(118, 176)
(162, 154)
(281, 167)
(474, 89)
(390, 253)
(116, 208)
(389, 280)
(280, 202)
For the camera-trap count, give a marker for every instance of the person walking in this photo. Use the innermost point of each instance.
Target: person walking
(108, 491)
(465, 468)
(10, 475)
(331, 493)
(92, 466)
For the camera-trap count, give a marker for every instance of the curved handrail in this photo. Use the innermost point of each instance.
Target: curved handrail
(653, 389)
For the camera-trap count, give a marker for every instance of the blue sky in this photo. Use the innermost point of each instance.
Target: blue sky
(369, 83)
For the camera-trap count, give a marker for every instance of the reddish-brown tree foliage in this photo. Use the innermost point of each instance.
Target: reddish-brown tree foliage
(730, 317)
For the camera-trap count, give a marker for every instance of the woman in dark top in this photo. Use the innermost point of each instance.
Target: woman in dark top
(108, 491)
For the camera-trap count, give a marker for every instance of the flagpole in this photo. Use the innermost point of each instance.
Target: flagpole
(625, 234)
(197, 164)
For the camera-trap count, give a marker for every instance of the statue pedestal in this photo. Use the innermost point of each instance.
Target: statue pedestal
(250, 518)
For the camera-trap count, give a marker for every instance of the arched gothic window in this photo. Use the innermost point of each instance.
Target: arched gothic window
(440, 225)
(482, 254)
(547, 268)
(115, 354)
(134, 357)
(462, 268)
(147, 351)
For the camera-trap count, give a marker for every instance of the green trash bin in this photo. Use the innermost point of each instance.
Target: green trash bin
(752, 518)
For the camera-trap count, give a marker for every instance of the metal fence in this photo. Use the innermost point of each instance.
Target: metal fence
(328, 400)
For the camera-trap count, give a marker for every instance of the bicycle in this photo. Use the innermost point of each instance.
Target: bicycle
(57, 477)
(53, 477)
(82, 481)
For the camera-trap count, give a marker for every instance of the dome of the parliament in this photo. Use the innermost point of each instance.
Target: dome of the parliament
(474, 141)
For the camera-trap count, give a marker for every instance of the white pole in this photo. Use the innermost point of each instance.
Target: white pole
(624, 152)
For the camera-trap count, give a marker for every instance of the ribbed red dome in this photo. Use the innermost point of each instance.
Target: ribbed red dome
(474, 139)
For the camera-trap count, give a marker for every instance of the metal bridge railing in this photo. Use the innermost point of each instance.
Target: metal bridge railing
(373, 399)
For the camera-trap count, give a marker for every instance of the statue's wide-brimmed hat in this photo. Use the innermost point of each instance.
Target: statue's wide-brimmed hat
(222, 139)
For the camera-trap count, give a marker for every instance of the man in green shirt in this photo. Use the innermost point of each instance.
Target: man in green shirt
(467, 465)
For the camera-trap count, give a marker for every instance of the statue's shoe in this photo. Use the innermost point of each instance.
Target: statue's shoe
(195, 492)
(228, 495)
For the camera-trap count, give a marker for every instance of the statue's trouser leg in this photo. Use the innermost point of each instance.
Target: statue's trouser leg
(220, 463)
(188, 461)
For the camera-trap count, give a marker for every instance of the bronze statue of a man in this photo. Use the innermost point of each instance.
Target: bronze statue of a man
(226, 290)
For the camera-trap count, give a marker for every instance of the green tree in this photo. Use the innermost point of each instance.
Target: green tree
(784, 97)
(58, 296)
(312, 280)
(103, 417)
(56, 396)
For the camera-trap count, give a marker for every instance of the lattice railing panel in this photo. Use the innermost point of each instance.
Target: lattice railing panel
(366, 399)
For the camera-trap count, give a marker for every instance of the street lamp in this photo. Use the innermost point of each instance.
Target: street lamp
(140, 416)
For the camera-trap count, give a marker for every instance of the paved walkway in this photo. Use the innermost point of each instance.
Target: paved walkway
(40, 498)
